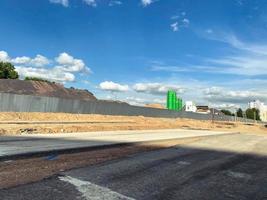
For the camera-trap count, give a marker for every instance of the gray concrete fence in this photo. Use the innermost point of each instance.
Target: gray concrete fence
(27, 103)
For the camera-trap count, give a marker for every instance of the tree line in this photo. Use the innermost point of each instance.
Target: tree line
(250, 113)
(7, 71)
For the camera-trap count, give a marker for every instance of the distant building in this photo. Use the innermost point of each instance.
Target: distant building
(216, 111)
(207, 110)
(203, 109)
(256, 104)
(190, 106)
(261, 107)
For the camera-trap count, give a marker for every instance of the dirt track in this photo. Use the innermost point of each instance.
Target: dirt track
(13, 123)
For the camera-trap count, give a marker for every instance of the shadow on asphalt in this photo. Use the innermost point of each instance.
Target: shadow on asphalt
(200, 169)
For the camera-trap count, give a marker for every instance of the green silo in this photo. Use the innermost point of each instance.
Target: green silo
(171, 99)
(168, 99)
(180, 104)
(176, 103)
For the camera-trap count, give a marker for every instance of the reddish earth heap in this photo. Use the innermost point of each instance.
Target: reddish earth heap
(40, 88)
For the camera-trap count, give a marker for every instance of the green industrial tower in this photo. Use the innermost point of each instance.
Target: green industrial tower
(174, 103)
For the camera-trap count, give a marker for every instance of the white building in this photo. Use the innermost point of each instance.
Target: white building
(261, 107)
(190, 106)
(256, 104)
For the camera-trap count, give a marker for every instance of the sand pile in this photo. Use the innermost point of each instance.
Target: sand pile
(27, 123)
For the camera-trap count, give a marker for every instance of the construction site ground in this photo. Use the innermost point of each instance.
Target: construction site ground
(231, 166)
(28, 123)
(16, 172)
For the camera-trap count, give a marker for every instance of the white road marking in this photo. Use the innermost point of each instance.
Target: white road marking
(238, 175)
(184, 163)
(92, 191)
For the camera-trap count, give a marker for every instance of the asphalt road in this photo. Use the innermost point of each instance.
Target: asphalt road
(222, 167)
(37, 143)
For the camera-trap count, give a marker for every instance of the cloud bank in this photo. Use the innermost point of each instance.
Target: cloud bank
(61, 69)
(113, 87)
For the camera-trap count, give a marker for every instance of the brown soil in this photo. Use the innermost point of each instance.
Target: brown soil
(155, 105)
(64, 123)
(39, 88)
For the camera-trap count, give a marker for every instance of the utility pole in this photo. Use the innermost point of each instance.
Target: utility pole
(245, 115)
(254, 116)
(212, 115)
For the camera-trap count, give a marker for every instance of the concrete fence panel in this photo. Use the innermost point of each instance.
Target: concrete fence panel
(27, 103)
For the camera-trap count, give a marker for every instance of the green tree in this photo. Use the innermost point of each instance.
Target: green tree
(227, 112)
(253, 113)
(7, 71)
(239, 113)
(28, 78)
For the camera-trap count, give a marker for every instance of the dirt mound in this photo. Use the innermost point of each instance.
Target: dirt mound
(29, 123)
(155, 105)
(39, 88)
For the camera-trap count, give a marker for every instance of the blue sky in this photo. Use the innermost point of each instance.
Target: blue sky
(210, 51)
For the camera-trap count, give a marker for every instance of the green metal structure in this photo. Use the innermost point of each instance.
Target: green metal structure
(174, 103)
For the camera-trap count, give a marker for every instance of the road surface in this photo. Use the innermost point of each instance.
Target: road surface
(36, 143)
(223, 167)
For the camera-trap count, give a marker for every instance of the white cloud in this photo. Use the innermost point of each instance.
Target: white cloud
(213, 91)
(175, 17)
(68, 63)
(86, 82)
(168, 68)
(219, 94)
(233, 41)
(248, 66)
(182, 23)
(146, 2)
(62, 69)
(114, 2)
(137, 101)
(178, 16)
(50, 74)
(38, 61)
(186, 22)
(21, 60)
(65, 59)
(94, 3)
(175, 26)
(239, 2)
(247, 59)
(244, 65)
(64, 3)
(113, 87)
(209, 31)
(157, 88)
(90, 2)
(230, 106)
(4, 56)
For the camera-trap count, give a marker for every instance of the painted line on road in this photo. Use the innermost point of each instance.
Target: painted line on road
(92, 191)
(238, 175)
(184, 163)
